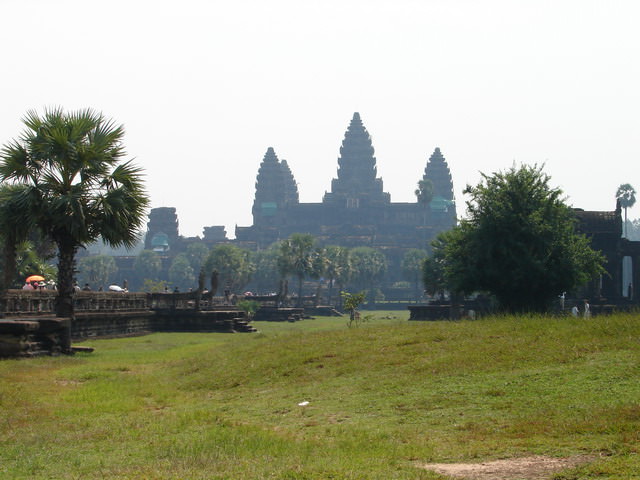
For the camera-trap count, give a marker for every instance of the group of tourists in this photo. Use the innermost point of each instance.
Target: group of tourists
(34, 285)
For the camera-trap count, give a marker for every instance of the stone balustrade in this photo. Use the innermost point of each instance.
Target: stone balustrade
(42, 302)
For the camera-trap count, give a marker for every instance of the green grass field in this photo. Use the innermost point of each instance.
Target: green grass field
(383, 397)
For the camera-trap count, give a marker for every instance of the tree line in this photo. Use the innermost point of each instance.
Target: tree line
(296, 260)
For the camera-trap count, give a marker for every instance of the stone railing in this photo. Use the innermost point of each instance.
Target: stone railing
(28, 302)
(110, 301)
(42, 302)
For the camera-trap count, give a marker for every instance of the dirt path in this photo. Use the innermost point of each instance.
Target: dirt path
(529, 468)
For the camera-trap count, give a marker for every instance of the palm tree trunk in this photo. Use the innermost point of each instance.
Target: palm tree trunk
(201, 280)
(66, 263)
(64, 301)
(299, 291)
(214, 283)
(625, 222)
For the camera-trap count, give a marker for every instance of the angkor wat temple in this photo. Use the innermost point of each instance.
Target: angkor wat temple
(357, 211)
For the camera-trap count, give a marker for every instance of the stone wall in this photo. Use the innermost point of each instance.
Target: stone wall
(30, 327)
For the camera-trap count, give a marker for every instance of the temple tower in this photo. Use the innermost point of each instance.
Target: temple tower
(437, 171)
(356, 185)
(275, 189)
(290, 187)
(162, 229)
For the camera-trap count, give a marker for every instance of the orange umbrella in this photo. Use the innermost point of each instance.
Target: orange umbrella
(35, 278)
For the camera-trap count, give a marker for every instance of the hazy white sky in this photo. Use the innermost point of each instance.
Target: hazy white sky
(205, 87)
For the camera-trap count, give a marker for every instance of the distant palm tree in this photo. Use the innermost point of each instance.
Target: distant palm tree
(626, 195)
(338, 268)
(424, 192)
(76, 188)
(368, 269)
(296, 258)
(411, 265)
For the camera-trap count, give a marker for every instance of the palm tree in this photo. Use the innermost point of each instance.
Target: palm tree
(76, 186)
(296, 258)
(369, 267)
(412, 268)
(338, 267)
(626, 195)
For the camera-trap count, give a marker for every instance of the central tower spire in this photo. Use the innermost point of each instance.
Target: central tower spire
(356, 183)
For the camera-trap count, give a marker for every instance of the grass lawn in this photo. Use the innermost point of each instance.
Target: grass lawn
(383, 397)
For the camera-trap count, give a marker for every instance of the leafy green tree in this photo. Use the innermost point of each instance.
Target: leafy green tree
(250, 307)
(233, 265)
(29, 262)
(352, 302)
(197, 254)
(155, 286)
(411, 266)
(297, 258)
(76, 188)
(518, 243)
(368, 269)
(266, 276)
(626, 195)
(148, 265)
(181, 274)
(434, 267)
(97, 270)
(15, 225)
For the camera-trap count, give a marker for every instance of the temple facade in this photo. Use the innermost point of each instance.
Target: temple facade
(622, 257)
(356, 211)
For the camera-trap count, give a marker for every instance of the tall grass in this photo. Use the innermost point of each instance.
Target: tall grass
(381, 398)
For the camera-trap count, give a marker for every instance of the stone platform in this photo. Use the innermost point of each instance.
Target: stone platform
(30, 328)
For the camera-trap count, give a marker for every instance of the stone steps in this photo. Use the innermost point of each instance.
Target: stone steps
(242, 325)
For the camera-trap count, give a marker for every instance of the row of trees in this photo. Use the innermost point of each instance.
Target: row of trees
(298, 258)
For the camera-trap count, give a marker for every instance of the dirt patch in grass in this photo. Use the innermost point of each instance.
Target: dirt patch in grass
(529, 468)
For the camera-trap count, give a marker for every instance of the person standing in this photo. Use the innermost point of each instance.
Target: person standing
(587, 309)
(575, 311)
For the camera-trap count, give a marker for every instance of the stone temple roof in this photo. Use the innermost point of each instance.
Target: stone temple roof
(591, 222)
